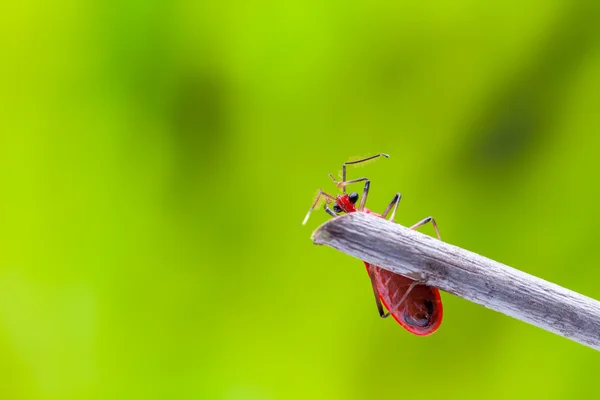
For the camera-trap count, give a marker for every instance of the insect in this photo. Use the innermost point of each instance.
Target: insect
(413, 304)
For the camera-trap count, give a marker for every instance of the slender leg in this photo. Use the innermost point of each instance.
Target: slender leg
(329, 211)
(376, 292)
(343, 184)
(423, 222)
(404, 296)
(357, 162)
(378, 300)
(321, 194)
(363, 200)
(394, 203)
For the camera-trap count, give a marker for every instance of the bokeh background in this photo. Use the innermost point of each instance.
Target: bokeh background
(157, 158)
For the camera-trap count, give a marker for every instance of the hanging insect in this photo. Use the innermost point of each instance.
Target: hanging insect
(413, 304)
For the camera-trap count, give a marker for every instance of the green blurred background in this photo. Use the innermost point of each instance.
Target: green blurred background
(157, 158)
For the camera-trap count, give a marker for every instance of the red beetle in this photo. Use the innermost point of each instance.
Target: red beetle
(416, 306)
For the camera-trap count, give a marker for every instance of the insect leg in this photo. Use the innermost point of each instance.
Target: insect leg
(423, 222)
(376, 292)
(394, 203)
(357, 162)
(363, 200)
(404, 296)
(321, 194)
(383, 314)
(343, 184)
(329, 211)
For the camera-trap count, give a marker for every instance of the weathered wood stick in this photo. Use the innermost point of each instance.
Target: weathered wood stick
(465, 274)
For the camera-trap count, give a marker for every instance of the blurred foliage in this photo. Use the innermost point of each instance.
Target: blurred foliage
(157, 158)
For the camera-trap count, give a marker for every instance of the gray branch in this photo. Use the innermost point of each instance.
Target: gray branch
(465, 274)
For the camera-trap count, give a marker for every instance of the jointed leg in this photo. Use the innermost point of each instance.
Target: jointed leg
(329, 210)
(404, 296)
(423, 222)
(321, 194)
(394, 203)
(378, 300)
(343, 185)
(357, 162)
(376, 292)
(363, 199)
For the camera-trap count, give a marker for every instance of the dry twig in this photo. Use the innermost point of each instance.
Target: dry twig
(465, 274)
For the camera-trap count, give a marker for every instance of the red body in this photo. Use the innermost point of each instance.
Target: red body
(421, 313)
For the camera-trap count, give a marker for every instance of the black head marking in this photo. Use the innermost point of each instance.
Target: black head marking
(353, 197)
(337, 208)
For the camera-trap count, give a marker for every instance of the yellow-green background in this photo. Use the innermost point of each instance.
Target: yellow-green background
(157, 158)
